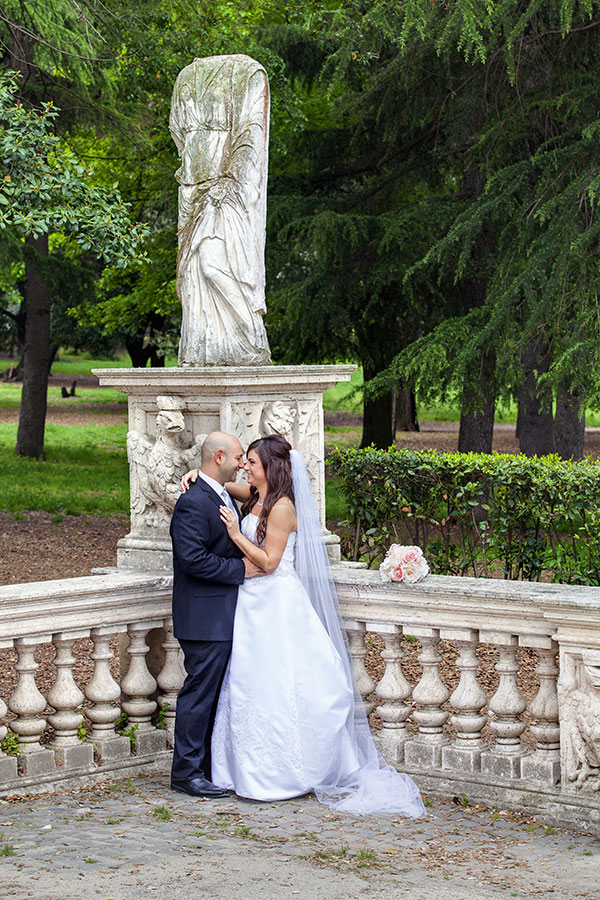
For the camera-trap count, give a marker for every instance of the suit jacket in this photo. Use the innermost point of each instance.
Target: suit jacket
(207, 567)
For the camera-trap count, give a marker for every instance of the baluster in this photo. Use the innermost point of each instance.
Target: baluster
(137, 685)
(27, 702)
(507, 704)
(66, 697)
(430, 693)
(468, 699)
(103, 691)
(393, 689)
(544, 763)
(356, 638)
(170, 678)
(8, 764)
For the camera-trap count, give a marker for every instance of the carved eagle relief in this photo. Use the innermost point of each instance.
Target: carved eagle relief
(156, 468)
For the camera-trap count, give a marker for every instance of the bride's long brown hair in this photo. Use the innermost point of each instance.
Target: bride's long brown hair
(274, 454)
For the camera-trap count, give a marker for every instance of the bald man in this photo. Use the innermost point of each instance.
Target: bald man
(207, 570)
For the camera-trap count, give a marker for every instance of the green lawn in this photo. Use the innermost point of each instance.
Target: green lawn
(85, 471)
(10, 396)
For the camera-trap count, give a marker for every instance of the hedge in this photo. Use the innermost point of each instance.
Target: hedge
(475, 514)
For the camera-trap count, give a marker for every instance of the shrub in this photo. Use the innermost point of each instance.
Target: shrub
(475, 514)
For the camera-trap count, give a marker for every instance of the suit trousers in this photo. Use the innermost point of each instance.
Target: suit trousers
(205, 663)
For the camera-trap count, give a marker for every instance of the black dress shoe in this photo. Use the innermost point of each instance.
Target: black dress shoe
(198, 786)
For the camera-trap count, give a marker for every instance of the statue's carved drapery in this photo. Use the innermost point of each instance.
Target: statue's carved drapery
(220, 124)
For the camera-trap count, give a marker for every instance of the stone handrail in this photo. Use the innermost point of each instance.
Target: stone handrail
(542, 754)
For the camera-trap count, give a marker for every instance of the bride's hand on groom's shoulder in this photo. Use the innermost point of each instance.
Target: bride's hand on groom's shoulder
(187, 479)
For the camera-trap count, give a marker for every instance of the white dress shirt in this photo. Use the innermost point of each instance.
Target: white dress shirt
(219, 489)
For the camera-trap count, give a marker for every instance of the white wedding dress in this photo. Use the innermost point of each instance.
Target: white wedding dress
(289, 719)
(285, 700)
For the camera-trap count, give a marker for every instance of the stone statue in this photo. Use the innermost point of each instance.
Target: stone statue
(220, 124)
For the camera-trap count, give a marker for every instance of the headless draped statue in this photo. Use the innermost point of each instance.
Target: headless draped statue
(220, 124)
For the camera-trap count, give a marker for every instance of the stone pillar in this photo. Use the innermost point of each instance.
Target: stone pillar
(468, 699)
(507, 704)
(66, 697)
(28, 703)
(170, 678)
(137, 685)
(544, 763)
(8, 764)
(104, 692)
(393, 690)
(430, 693)
(356, 639)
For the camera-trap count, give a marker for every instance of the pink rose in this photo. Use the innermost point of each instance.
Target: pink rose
(412, 554)
(397, 573)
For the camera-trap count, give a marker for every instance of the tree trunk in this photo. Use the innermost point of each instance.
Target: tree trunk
(32, 418)
(377, 416)
(138, 353)
(569, 425)
(406, 410)
(476, 430)
(536, 426)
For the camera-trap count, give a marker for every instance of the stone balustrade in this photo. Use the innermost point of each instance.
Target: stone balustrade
(456, 735)
(70, 732)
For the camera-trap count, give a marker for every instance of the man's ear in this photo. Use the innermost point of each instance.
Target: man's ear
(219, 457)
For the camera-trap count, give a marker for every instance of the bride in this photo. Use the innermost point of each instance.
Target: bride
(290, 719)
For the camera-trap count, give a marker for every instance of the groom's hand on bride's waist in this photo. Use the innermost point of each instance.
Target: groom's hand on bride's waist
(252, 571)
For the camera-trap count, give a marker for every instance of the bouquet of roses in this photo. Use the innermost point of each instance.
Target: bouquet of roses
(404, 564)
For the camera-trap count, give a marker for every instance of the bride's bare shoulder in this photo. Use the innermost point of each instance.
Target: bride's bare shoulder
(283, 511)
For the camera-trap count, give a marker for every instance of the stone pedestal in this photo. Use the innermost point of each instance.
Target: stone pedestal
(113, 747)
(36, 762)
(502, 765)
(172, 409)
(77, 756)
(424, 754)
(462, 759)
(8, 767)
(542, 765)
(150, 742)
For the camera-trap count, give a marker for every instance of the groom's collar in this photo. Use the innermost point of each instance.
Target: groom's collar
(211, 482)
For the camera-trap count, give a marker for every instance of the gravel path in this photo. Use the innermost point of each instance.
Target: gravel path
(138, 839)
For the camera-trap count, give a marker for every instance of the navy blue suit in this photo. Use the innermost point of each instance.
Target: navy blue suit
(207, 570)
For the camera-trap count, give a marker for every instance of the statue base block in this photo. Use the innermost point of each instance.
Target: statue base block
(77, 756)
(113, 747)
(462, 759)
(171, 410)
(8, 768)
(500, 765)
(36, 762)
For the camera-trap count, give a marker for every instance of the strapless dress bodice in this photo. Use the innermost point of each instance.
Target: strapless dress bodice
(286, 563)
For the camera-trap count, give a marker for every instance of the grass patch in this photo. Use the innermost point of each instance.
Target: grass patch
(76, 364)
(162, 813)
(346, 395)
(342, 436)
(10, 397)
(85, 472)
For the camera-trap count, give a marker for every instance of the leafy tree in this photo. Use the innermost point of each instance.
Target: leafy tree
(529, 234)
(350, 214)
(45, 189)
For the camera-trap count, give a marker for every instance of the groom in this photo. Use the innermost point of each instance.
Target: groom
(207, 569)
